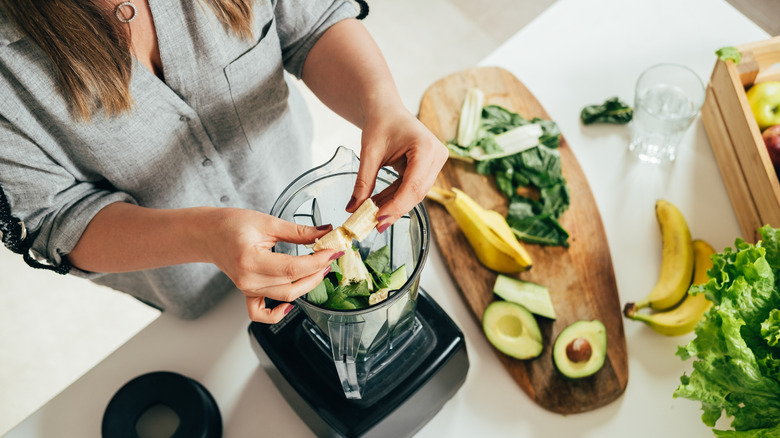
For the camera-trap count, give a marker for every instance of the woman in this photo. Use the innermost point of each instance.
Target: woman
(142, 143)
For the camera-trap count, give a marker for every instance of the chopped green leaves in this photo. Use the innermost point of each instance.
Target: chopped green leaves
(611, 111)
(332, 294)
(537, 166)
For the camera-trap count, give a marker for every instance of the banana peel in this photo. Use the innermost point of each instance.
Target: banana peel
(487, 232)
(685, 317)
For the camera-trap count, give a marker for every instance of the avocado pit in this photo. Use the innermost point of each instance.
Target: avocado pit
(579, 350)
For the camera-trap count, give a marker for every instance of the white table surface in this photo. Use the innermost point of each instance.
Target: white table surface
(576, 53)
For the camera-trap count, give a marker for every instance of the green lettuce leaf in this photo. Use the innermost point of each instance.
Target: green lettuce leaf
(772, 432)
(735, 367)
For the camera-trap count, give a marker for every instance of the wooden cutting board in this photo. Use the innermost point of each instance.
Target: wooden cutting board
(580, 278)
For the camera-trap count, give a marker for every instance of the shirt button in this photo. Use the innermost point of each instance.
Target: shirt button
(224, 199)
(206, 162)
(184, 119)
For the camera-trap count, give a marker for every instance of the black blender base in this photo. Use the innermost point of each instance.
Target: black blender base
(399, 400)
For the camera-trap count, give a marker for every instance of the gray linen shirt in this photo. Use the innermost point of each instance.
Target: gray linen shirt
(226, 128)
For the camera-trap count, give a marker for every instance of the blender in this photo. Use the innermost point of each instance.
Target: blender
(383, 370)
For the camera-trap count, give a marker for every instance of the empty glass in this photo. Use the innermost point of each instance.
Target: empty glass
(362, 340)
(668, 97)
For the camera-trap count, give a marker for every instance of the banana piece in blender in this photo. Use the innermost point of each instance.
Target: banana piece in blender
(378, 296)
(358, 226)
(362, 221)
(336, 239)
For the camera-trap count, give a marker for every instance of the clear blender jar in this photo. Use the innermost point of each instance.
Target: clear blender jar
(362, 341)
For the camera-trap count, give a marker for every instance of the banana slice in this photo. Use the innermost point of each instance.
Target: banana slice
(358, 226)
(378, 296)
(362, 221)
(336, 239)
(353, 270)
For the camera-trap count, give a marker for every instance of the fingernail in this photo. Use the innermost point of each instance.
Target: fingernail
(288, 309)
(381, 219)
(324, 227)
(325, 271)
(335, 256)
(351, 203)
(382, 228)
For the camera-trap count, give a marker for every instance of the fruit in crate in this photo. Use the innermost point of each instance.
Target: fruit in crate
(771, 137)
(764, 99)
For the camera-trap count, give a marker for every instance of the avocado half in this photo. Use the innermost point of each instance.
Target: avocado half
(580, 349)
(512, 330)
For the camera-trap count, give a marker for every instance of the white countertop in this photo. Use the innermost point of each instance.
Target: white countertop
(578, 52)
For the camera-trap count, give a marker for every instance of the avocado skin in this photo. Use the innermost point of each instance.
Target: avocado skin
(596, 334)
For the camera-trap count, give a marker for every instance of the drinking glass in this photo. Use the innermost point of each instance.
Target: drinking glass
(667, 99)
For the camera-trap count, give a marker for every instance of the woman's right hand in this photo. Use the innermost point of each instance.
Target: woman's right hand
(242, 246)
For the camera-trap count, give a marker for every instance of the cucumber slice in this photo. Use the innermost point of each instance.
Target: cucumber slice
(532, 296)
(397, 278)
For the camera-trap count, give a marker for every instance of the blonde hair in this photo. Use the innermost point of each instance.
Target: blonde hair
(90, 49)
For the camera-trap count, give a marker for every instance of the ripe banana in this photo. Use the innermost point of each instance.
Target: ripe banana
(676, 261)
(487, 232)
(357, 226)
(684, 318)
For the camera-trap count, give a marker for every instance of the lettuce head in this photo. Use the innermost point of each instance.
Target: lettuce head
(736, 351)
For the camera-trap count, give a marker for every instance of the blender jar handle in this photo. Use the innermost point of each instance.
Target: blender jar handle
(344, 344)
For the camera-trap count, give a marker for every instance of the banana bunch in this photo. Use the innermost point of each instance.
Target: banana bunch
(683, 261)
(487, 232)
(358, 226)
(684, 318)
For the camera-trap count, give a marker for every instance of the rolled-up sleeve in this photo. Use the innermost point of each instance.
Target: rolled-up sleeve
(54, 206)
(300, 23)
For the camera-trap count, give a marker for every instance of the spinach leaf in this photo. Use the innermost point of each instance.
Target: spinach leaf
(555, 199)
(541, 166)
(379, 260)
(497, 119)
(381, 281)
(319, 294)
(359, 288)
(552, 134)
(335, 271)
(530, 224)
(611, 111)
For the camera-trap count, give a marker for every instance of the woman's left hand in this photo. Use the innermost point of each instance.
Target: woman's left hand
(394, 137)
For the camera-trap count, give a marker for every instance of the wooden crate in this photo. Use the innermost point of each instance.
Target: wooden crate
(736, 141)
